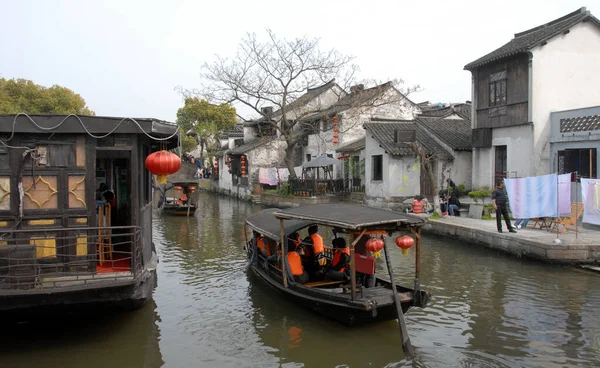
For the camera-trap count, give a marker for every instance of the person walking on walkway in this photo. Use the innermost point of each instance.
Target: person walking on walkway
(500, 202)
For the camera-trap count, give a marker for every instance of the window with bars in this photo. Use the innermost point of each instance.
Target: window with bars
(498, 89)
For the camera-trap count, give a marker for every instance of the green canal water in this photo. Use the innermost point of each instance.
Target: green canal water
(487, 310)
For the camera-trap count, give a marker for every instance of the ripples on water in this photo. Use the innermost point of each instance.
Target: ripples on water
(488, 310)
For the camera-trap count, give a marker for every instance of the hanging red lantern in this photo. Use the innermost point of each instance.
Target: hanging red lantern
(335, 141)
(347, 155)
(163, 163)
(404, 242)
(375, 245)
(340, 157)
(192, 188)
(178, 188)
(335, 119)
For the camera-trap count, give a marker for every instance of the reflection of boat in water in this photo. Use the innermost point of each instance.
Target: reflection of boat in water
(179, 198)
(294, 336)
(84, 338)
(344, 300)
(64, 239)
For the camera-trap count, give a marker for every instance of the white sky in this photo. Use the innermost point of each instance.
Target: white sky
(125, 57)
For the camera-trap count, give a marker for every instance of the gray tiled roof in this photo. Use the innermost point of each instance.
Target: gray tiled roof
(311, 93)
(462, 109)
(357, 145)
(245, 148)
(455, 133)
(580, 124)
(525, 41)
(383, 131)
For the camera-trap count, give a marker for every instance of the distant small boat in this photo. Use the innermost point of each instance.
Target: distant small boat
(182, 200)
(344, 301)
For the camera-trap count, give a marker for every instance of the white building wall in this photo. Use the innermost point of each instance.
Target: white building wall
(566, 75)
(352, 120)
(460, 170)
(401, 175)
(483, 171)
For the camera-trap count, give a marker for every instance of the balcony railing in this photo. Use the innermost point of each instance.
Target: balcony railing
(316, 187)
(52, 258)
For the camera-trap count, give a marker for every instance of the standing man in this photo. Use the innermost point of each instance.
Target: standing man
(500, 201)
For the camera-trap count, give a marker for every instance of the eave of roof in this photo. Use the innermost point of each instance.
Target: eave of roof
(525, 41)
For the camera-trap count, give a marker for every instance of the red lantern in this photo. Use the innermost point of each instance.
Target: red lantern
(192, 188)
(163, 163)
(404, 242)
(178, 188)
(335, 119)
(375, 244)
(335, 141)
(347, 155)
(340, 157)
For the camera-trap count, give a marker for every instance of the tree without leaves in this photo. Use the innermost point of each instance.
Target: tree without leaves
(277, 73)
(427, 161)
(205, 120)
(24, 96)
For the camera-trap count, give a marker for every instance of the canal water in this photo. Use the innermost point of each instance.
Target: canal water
(487, 310)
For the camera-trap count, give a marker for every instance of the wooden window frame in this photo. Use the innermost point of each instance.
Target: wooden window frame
(498, 82)
(377, 170)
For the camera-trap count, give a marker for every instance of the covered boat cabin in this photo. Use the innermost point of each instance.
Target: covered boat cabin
(76, 200)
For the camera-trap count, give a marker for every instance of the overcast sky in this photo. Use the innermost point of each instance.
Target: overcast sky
(126, 57)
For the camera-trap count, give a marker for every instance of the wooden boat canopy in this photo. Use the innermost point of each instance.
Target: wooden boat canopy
(351, 217)
(265, 223)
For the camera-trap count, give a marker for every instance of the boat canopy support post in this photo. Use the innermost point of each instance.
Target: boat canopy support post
(353, 265)
(283, 253)
(406, 345)
(417, 288)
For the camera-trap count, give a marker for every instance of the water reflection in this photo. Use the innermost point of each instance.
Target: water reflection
(90, 338)
(487, 310)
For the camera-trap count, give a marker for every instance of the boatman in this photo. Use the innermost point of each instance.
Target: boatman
(295, 263)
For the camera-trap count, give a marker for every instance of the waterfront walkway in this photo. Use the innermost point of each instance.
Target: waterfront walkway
(533, 243)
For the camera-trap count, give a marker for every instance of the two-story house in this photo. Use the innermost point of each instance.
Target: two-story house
(515, 88)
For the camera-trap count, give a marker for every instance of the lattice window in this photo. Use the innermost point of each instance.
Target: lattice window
(4, 193)
(77, 191)
(80, 151)
(40, 192)
(45, 247)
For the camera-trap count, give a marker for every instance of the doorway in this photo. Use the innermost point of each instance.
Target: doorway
(500, 167)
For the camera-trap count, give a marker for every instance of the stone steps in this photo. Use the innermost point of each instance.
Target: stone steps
(256, 198)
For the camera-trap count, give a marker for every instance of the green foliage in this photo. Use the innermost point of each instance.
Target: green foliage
(24, 96)
(205, 119)
(435, 216)
(285, 190)
(488, 209)
(188, 143)
(462, 188)
(480, 194)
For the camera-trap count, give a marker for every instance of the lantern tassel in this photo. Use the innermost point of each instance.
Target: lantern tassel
(377, 254)
(162, 179)
(405, 251)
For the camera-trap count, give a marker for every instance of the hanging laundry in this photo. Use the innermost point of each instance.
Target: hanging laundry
(267, 175)
(590, 194)
(564, 194)
(533, 197)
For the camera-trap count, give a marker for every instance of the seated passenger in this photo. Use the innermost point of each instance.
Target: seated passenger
(314, 258)
(295, 263)
(340, 270)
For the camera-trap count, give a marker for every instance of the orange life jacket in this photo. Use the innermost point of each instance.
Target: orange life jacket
(317, 243)
(260, 244)
(338, 255)
(417, 206)
(295, 263)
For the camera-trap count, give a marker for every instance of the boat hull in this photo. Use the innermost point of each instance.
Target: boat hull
(124, 295)
(347, 313)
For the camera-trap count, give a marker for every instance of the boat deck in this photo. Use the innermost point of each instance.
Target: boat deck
(382, 295)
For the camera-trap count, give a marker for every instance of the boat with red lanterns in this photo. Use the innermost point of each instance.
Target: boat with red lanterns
(368, 230)
(76, 210)
(179, 198)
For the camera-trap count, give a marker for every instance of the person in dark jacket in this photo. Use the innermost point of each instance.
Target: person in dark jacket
(500, 202)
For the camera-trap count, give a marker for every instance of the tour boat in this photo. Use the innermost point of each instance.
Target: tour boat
(179, 198)
(76, 209)
(344, 301)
